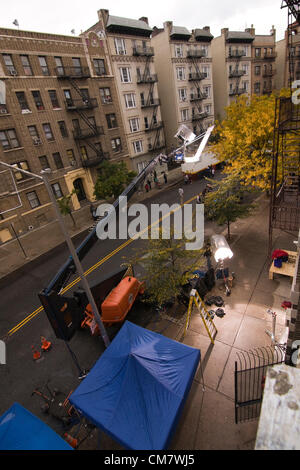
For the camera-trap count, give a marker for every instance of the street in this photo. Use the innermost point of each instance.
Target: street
(23, 322)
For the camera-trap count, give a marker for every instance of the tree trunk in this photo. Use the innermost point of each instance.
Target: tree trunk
(228, 229)
(71, 215)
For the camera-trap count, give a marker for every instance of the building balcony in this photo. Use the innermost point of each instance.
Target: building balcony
(197, 76)
(267, 91)
(270, 55)
(236, 73)
(154, 127)
(146, 79)
(94, 161)
(198, 116)
(150, 103)
(268, 73)
(89, 103)
(143, 51)
(198, 96)
(237, 91)
(194, 54)
(237, 54)
(72, 72)
(79, 134)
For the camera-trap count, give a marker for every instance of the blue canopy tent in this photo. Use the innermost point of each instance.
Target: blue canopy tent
(21, 430)
(136, 390)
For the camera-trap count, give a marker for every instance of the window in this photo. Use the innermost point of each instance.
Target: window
(206, 70)
(71, 157)
(138, 146)
(120, 46)
(44, 162)
(68, 98)
(245, 68)
(257, 52)
(53, 98)
(24, 166)
(116, 144)
(63, 128)
(8, 139)
(99, 65)
(257, 70)
(105, 95)
(77, 65)
(130, 100)
(57, 160)
(141, 166)
(48, 131)
(184, 113)
(178, 50)
(59, 66)
(9, 64)
(245, 86)
(26, 64)
(125, 75)
(38, 100)
(257, 87)
(182, 94)
(57, 190)
(34, 135)
(43, 65)
(83, 153)
(111, 121)
(134, 124)
(207, 91)
(22, 102)
(33, 199)
(180, 73)
(207, 108)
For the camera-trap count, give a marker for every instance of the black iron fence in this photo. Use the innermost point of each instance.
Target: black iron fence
(249, 376)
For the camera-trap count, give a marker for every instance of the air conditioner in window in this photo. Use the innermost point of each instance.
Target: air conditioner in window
(122, 52)
(73, 162)
(3, 111)
(13, 72)
(37, 141)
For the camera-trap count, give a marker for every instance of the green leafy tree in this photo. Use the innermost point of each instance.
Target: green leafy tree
(225, 203)
(64, 204)
(112, 179)
(167, 266)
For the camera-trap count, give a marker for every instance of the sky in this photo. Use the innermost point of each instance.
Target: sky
(63, 16)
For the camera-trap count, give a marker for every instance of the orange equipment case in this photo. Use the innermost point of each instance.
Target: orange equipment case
(120, 300)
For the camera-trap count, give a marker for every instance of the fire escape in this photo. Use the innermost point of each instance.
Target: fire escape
(80, 106)
(237, 73)
(197, 96)
(149, 101)
(285, 183)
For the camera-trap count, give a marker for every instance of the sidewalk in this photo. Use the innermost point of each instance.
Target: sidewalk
(208, 419)
(40, 242)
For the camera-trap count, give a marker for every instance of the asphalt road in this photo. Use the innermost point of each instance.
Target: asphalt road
(21, 375)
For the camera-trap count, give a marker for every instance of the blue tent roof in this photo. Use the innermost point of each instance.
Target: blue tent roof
(137, 388)
(21, 430)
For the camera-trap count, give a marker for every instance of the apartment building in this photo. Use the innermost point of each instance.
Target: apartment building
(131, 59)
(61, 112)
(183, 63)
(243, 63)
(288, 57)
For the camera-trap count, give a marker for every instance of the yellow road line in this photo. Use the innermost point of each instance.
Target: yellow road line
(92, 268)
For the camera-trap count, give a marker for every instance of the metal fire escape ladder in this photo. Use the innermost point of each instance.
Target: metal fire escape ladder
(85, 118)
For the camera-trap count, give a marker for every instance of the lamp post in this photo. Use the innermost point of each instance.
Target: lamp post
(86, 287)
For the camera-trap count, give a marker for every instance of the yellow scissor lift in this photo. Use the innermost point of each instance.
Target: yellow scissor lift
(204, 314)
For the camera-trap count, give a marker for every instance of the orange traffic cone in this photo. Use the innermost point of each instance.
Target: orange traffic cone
(71, 440)
(35, 353)
(46, 345)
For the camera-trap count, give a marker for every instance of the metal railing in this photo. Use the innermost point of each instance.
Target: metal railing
(88, 103)
(72, 72)
(143, 51)
(197, 76)
(87, 133)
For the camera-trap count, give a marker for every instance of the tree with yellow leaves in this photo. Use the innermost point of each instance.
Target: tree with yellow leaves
(245, 139)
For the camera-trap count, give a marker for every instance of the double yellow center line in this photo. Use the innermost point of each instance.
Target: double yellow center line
(95, 266)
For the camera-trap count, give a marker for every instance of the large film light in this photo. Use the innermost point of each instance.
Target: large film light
(220, 248)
